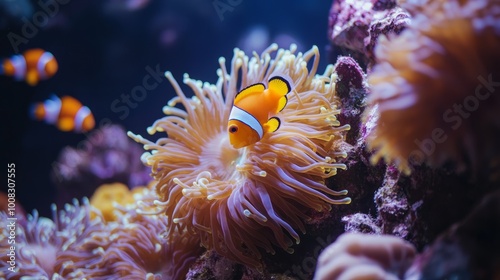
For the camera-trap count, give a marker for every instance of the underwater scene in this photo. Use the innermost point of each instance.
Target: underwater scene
(238, 139)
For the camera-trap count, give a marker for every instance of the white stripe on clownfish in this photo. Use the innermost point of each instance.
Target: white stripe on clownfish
(19, 63)
(80, 116)
(42, 62)
(246, 118)
(52, 109)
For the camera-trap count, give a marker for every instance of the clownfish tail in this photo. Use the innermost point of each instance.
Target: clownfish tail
(32, 111)
(280, 84)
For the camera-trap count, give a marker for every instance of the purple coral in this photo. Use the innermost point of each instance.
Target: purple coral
(354, 26)
(392, 21)
(351, 88)
(107, 156)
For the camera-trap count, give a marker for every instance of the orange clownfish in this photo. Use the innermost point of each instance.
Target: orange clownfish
(32, 66)
(254, 110)
(67, 113)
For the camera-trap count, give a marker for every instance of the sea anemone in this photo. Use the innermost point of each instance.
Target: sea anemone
(436, 86)
(131, 246)
(36, 244)
(85, 237)
(238, 201)
(44, 246)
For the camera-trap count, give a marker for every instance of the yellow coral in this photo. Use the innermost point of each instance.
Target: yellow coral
(107, 197)
(240, 201)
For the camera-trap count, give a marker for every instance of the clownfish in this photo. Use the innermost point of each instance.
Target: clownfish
(67, 113)
(32, 66)
(254, 110)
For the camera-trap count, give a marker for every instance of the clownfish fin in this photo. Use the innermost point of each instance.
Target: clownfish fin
(279, 85)
(272, 124)
(282, 103)
(259, 87)
(65, 124)
(32, 78)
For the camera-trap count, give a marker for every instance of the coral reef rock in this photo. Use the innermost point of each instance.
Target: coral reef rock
(468, 250)
(354, 26)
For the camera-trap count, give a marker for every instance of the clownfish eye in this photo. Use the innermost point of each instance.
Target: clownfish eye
(233, 129)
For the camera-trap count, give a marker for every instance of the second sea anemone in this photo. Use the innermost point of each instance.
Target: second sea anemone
(436, 86)
(139, 249)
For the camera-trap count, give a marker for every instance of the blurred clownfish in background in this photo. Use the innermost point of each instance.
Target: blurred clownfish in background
(32, 66)
(67, 113)
(254, 110)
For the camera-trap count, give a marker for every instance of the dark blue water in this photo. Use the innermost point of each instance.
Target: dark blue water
(104, 48)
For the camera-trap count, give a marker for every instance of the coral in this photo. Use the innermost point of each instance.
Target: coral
(435, 83)
(417, 207)
(107, 195)
(393, 206)
(354, 26)
(240, 201)
(360, 179)
(351, 88)
(387, 23)
(387, 201)
(361, 223)
(211, 265)
(348, 23)
(107, 156)
(380, 5)
(362, 256)
(470, 249)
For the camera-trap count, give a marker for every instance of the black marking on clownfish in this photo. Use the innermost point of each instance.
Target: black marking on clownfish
(273, 80)
(258, 87)
(282, 103)
(273, 120)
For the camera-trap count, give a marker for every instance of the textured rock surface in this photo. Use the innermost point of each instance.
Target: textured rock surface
(468, 250)
(354, 26)
(213, 266)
